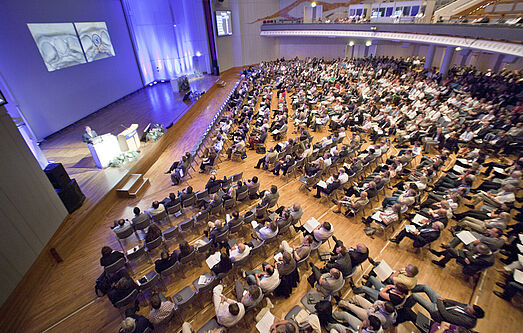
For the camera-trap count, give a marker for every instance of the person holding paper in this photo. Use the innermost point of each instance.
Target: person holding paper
(501, 221)
(332, 184)
(491, 237)
(325, 283)
(228, 311)
(223, 266)
(268, 279)
(265, 231)
(473, 261)
(394, 293)
(353, 204)
(386, 217)
(320, 234)
(247, 295)
(513, 284)
(407, 276)
(451, 311)
(298, 252)
(362, 308)
(495, 184)
(422, 235)
(341, 262)
(494, 199)
(239, 251)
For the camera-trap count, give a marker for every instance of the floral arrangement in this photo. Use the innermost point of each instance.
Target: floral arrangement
(124, 158)
(155, 132)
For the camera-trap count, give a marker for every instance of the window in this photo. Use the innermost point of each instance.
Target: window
(406, 11)
(352, 12)
(358, 12)
(414, 11)
(389, 11)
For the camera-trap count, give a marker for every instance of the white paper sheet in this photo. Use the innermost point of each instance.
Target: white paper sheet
(383, 271)
(264, 325)
(520, 248)
(254, 224)
(311, 224)
(203, 280)
(321, 184)
(213, 259)
(376, 216)
(466, 237)
(418, 219)
(410, 228)
(498, 170)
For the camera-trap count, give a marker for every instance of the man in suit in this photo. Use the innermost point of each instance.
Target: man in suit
(270, 195)
(453, 312)
(89, 135)
(422, 235)
(333, 184)
(341, 262)
(474, 260)
(139, 217)
(436, 139)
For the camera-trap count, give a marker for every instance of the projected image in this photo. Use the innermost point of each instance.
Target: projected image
(95, 40)
(58, 44)
(223, 23)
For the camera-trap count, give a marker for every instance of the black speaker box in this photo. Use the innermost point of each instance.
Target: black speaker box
(57, 175)
(71, 196)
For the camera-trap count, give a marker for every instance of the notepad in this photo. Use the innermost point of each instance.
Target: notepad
(311, 224)
(203, 280)
(410, 228)
(278, 256)
(227, 218)
(321, 184)
(418, 219)
(264, 325)
(376, 216)
(520, 258)
(466, 237)
(520, 248)
(459, 169)
(254, 224)
(383, 271)
(213, 259)
(498, 170)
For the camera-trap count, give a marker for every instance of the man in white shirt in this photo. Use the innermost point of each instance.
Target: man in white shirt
(343, 176)
(268, 279)
(228, 311)
(239, 251)
(156, 209)
(467, 135)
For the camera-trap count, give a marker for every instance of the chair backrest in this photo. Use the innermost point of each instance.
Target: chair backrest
(237, 177)
(188, 258)
(236, 228)
(272, 203)
(154, 244)
(242, 261)
(186, 294)
(170, 233)
(262, 211)
(159, 217)
(174, 209)
(204, 248)
(151, 282)
(189, 202)
(214, 189)
(125, 234)
(115, 267)
(186, 224)
(136, 254)
(202, 217)
(169, 271)
(222, 237)
(242, 196)
(127, 299)
(202, 194)
(248, 217)
(216, 210)
(254, 190)
(229, 203)
(142, 224)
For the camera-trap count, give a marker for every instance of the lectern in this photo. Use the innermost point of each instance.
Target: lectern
(105, 149)
(129, 139)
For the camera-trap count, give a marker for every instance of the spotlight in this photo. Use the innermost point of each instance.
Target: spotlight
(458, 48)
(150, 84)
(162, 81)
(198, 54)
(155, 82)
(368, 43)
(313, 4)
(373, 28)
(351, 43)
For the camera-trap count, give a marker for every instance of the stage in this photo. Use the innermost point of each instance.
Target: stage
(157, 104)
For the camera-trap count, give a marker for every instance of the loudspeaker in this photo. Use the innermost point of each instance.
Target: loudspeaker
(71, 196)
(57, 175)
(215, 68)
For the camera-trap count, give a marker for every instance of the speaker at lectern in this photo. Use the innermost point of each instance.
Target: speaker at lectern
(104, 149)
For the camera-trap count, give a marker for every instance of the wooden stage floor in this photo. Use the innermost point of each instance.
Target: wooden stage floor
(60, 297)
(157, 104)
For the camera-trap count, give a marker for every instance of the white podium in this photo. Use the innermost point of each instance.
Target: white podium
(104, 149)
(129, 139)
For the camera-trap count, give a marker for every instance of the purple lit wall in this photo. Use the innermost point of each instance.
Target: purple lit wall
(167, 35)
(50, 101)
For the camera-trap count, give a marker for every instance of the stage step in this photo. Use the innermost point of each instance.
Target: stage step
(134, 184)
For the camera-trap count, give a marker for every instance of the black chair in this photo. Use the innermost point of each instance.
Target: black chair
(168, 272)
(154, 244)
(121, 304)
(237, 177)
(183, 298)
(186, 224)
(187, 260)
(175, 210)
(242, 195)
(205, 290)
(229, 203)
(115, 267)
(210, 325)
(189, 202)
(152, 279)
(124, 235)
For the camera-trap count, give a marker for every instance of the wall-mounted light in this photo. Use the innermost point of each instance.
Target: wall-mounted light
(351, 43)
(368, 43)
(198, 54)
(313, 4)
(373, 28)
(458, 48)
